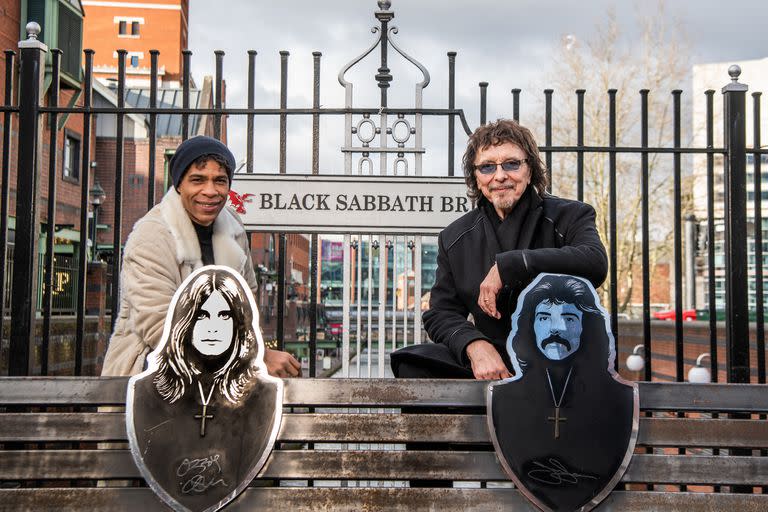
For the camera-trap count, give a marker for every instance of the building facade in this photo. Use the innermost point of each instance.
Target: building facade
(61, 27)
(705, 77)
(137, 27)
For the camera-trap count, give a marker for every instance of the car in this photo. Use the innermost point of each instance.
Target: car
(689, 315)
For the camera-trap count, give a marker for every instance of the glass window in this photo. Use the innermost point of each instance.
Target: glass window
(134, 28)
(122, 28)
(135, 61)
(71, 164)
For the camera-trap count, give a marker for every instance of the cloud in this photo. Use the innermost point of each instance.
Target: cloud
(508, 44)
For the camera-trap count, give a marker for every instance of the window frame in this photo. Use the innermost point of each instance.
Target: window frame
(72, 177)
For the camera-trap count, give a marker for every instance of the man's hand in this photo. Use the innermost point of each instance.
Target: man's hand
(489, 290)
(486, 361)
(281, 364)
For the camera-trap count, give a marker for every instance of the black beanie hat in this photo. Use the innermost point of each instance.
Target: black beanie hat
(192, 149)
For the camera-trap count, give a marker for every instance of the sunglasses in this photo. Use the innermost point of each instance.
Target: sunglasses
(508, 166)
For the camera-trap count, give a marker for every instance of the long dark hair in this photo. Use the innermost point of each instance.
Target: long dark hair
(558, 289)
(175, 371)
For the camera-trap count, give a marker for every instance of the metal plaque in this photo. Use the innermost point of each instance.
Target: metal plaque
(202, 419)
(344, 204)
(565, 425)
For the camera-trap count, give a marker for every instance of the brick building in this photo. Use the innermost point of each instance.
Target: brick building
(61, 23)
(136, 155)
(138, 28)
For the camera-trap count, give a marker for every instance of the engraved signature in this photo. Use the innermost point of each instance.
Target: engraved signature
(199, 475)
(555, 473)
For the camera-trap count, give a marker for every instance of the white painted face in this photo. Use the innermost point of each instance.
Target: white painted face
(213, 330)
(558, 329)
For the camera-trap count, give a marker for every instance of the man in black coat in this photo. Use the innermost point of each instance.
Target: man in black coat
(488, 256)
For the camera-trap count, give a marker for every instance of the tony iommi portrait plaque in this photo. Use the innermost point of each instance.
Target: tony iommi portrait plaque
(565, 425)
(202, 419)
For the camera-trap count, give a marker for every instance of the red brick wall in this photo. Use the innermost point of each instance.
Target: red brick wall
(10, 15)
(135, 180)
(695, 343)
(660, 286)
(67, 191)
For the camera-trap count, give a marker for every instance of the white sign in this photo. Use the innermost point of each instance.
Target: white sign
(347, 204)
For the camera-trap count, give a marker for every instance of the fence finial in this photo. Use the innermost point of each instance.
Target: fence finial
(384, 5)
(33, 30)
(734, 71)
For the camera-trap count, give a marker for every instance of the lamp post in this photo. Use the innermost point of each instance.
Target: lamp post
(96, 195)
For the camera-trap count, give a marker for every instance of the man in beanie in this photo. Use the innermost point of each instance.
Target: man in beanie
(189, 228)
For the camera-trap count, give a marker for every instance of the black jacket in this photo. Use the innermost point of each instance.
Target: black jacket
(558, 236)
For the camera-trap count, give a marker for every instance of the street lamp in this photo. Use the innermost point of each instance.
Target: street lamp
(635, 361)
(699, 374)
(96, 196)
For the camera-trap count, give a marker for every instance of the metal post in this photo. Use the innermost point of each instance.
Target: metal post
(219, 90)
(151, 178)
(613, 246)
(250, 118)
(736, 289)
(483, 102)
(516, 104)
(548, 135)
(690, 261)
(579, 142)
(383, 76)
(451, 117)
(117, 225)
(5, 189)
(85, 173)
(314, 239)
(677, 243)
(24, 297)
(646, 229)
(283, 237)
(186, 59)
(47, 286)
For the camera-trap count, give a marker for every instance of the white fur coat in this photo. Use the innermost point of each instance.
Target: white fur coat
(161, 251)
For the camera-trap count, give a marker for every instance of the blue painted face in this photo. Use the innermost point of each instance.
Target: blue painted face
(558, 329)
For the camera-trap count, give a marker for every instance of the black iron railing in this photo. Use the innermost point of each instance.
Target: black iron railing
(30, 110)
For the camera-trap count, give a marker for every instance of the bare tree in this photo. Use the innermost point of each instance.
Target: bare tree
(658, 60)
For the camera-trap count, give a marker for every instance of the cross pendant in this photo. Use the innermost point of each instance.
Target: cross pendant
(202, 417)
(557, 419)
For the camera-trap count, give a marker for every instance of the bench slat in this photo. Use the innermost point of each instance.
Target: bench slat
(703, 433)
(375, 499)
(385, 428)
(383, 393)
(384, 465)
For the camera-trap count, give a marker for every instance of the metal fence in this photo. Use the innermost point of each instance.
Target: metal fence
(393, 136)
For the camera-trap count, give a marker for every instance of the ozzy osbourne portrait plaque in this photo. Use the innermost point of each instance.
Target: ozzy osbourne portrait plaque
(202, 419)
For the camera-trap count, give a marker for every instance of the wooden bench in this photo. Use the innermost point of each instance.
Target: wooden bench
(347, 437)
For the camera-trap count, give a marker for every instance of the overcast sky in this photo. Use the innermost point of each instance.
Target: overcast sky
(505, 42)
